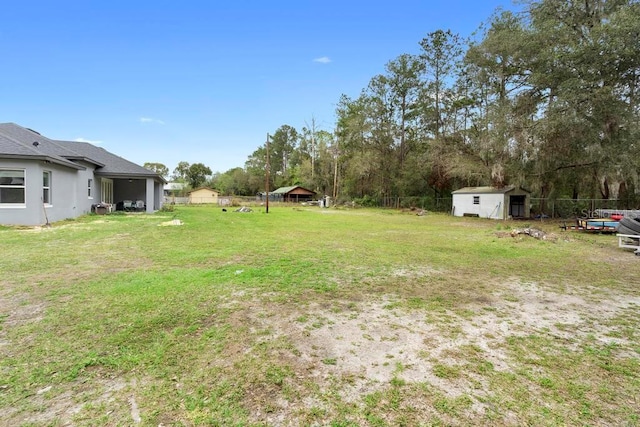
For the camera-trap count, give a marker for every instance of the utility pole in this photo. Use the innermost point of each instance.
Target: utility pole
(267, 167)
(336, 153)
(313, 146)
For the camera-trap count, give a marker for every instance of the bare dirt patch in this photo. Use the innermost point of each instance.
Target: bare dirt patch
(376, 341)
(115, 396)
(16, 309)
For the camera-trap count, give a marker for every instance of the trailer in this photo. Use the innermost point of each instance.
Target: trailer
(596, 225)
(629, 241)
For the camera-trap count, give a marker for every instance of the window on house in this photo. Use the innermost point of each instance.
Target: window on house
(476, 200)
(46, 187)
(90, 188)
(12, 187)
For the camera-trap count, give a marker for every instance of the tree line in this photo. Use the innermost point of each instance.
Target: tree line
(546, 98)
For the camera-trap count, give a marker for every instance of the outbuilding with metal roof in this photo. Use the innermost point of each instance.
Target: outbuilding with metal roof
(492, 202)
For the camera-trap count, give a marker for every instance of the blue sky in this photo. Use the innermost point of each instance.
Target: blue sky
(202, 81)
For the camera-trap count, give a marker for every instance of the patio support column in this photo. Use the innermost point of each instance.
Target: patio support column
(150, 196)
(159, 196)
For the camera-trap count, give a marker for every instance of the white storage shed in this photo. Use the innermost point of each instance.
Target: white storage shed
(492, 202)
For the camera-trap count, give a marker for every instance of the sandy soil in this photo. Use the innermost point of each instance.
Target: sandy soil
(371, 341)
(375, 342)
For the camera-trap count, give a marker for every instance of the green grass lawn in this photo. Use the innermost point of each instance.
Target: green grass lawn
(306, 316)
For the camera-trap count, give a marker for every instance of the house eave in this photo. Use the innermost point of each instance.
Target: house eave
(84, 159)
(120, 175)
(43, 158)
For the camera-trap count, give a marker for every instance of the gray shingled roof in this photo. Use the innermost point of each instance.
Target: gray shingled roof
(22, 143)
(113, 165)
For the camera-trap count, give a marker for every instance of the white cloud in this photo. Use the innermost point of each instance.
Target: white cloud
(88, 140)
(322, 60)
(150, 120)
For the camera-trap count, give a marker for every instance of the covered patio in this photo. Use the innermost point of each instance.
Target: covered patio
(131, 193)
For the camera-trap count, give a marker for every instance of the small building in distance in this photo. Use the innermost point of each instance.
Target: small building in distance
(492, 202)
(203, 195)
(174, 189)
(293, 194)
(175, 192)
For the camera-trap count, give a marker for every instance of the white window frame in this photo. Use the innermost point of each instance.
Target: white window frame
(47, 201)
(476, 200)
(14, 186)
(90, 188)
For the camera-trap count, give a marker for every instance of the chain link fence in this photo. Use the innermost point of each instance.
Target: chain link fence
(224, 201)
(551, 208)
(540, 208)
(433, 204)
(579, 208)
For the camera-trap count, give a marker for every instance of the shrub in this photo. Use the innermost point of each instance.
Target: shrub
(366, 201)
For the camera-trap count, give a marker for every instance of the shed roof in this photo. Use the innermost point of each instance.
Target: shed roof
(173, 186)
(487, 190)
(287, 190)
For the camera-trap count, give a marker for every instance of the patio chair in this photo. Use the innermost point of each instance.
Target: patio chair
(127, 205)
(140, 205)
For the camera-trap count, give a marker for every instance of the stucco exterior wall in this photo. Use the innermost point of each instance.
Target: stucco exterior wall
(82, 200)
(158, 200)
(64, 193)
(65, 200)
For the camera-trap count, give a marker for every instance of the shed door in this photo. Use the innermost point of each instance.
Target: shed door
(516, 206)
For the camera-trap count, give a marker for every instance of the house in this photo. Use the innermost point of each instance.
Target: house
(44, 180)
(492, 202)
(203, 195)
(291, 194)
(175, 192)
(174, 189)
